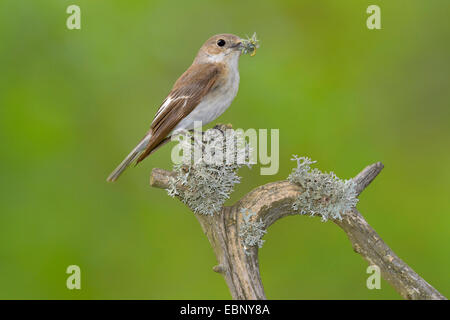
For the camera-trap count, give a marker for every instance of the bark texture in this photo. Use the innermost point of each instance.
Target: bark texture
(274, 201)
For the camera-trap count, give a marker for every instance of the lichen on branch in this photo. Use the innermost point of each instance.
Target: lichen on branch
(251, 231)
(323, 194)
(206, 176)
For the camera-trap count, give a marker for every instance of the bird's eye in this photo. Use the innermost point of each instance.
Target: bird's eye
(221, 42)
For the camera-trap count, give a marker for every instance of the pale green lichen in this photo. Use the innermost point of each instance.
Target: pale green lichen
(323, 194)
(205, 184)
(251, 231)
(250, 45)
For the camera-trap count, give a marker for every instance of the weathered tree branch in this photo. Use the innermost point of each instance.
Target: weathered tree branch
(274, 201)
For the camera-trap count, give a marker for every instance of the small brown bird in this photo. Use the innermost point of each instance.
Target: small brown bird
(202, 93)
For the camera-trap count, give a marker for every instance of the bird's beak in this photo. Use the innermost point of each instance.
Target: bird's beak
(237, 46)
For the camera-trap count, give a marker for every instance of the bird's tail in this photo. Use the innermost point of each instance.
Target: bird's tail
(134, 154)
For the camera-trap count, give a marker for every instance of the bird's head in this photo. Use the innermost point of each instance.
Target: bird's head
(220, 48)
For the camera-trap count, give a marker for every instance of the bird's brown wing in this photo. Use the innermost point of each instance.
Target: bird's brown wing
(186, 94)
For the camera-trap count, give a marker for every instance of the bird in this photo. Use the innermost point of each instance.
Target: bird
(202, 93)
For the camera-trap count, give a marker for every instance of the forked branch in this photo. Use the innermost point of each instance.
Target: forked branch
(273, 201)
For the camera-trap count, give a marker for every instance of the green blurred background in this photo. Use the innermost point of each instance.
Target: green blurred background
(74, 102)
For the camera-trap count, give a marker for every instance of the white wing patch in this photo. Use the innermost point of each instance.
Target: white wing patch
(168, 102)
(163, 106)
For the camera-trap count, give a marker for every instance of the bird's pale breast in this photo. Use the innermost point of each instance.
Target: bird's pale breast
(214, 103)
